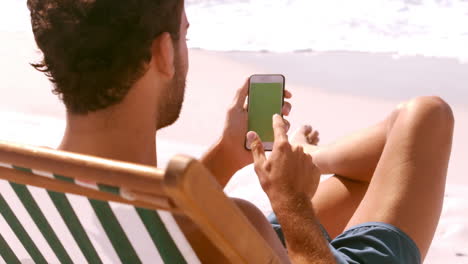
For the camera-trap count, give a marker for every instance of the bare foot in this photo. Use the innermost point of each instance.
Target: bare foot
(306, 137)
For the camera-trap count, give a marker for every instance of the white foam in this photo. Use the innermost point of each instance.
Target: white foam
(431, 28)
(403, 27)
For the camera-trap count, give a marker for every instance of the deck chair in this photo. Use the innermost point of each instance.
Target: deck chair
(60, 207)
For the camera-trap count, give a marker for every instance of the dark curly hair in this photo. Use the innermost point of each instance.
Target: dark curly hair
(95, 50)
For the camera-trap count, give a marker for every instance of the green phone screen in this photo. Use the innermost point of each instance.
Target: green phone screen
(265, 100)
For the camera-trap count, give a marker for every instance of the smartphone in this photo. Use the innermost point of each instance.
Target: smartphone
(266, 98)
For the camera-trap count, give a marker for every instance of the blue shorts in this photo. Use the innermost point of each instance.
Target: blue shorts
(368, 243)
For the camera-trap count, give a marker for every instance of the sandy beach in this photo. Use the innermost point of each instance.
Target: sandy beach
(336, 92)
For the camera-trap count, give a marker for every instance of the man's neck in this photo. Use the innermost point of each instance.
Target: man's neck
(130, 144)
(126, 132)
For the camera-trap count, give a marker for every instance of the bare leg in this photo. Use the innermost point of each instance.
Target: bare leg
(402, 162)
(355, 157)
(408, 186)
(258, 220)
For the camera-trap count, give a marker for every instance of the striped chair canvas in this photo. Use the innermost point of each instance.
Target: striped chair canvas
(59, 207)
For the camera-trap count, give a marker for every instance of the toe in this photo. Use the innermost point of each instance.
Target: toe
(313, 137)
(300, 135)
(306, 130)
(315, 141)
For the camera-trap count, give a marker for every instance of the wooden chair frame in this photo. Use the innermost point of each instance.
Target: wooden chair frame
(185, 188)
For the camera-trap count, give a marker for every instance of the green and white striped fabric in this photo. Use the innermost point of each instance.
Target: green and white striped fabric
(40, 226)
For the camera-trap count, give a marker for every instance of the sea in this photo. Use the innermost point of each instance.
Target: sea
(433, 28)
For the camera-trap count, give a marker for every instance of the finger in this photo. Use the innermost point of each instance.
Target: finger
(286, 108)
(288, 125)
(241, 95)
(250, 138)
(280, 129)
(287, 94)
(257, 149)
(299, 149)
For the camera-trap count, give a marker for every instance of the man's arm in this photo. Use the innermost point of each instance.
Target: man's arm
(221, 164)
(228, 155)
(304, 238)
(290, 179)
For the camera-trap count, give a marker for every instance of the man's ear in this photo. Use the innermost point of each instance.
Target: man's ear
(162, 51)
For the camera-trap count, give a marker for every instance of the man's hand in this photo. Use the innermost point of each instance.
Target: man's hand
(235, 130)
(290, 179)
(229, 155)
(289, 172)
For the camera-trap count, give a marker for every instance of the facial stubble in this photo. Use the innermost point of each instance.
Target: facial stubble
(173, 96)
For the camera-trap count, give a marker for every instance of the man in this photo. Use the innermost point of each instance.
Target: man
(120, 68)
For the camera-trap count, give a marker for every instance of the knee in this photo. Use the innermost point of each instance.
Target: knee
(249, 209)
(263, 227)
(430, 109)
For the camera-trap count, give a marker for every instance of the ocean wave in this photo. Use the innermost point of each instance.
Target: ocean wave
(408, 27)
(435, 28)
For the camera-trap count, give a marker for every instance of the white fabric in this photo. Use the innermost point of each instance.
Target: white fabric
(55, 220)
(12, 240)
(178, 237)
(26, 221)
(136, 233)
